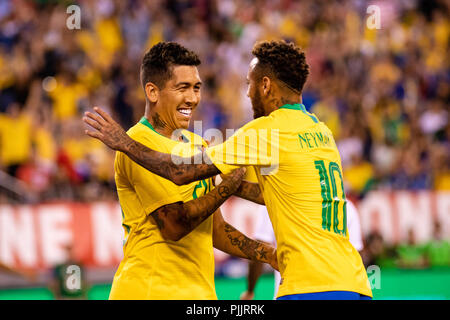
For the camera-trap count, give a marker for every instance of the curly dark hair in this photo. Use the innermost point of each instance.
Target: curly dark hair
(284, 60)
(157, 63)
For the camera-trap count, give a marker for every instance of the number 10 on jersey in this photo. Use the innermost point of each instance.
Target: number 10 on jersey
(330, 198)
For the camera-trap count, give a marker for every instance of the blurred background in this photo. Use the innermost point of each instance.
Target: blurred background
(383, 92)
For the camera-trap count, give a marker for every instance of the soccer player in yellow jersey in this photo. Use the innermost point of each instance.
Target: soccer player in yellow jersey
(170, 230)
(299, 177)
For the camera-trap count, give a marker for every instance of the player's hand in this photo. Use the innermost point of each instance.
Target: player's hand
(223, 176)
(106, 129)
(234, 179)
(247, 295)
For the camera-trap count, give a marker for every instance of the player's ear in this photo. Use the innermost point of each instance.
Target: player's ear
(266, 84)
(152, 92)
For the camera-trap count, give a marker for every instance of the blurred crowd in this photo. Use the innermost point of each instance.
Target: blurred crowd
(409, 254)
(383, 92)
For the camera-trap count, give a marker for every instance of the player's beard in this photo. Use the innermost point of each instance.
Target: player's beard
(257, 105)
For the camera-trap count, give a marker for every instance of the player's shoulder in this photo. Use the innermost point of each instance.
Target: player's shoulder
(279, 119)
(287, 118)
(147, 136)
(263, 122)
(137, 131)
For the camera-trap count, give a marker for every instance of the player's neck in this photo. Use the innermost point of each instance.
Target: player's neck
(289, 97)
(281, 100)
(166, 132)
(158, 124)
(290, 100)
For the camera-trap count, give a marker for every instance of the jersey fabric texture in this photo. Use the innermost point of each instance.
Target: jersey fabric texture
(298, 168)
(152, 267)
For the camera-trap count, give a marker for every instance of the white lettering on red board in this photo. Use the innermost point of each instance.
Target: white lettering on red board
(17, 237)
(55, 233)
(107, 233)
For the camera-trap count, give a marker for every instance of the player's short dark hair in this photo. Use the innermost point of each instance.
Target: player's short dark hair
(157, 63)
(284, 60)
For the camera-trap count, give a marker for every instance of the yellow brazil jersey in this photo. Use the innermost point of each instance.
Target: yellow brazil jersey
(154, 268)
(299, 171)
(15, 139)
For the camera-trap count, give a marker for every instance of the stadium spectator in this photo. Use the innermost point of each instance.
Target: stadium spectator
(411, 254)
(376, 252)
(382, 92)
(437, 250)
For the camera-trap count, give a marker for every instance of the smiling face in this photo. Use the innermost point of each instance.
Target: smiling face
(179, 97)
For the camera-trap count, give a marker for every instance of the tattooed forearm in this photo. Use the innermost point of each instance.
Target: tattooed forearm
(230, 240)
(253, 250)
(250, 191)
(224, 191)
(112, 134)
(199, 209)
(178, 219)
(163, 165)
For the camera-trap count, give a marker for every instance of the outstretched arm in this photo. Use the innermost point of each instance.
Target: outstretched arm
(227, 239)
(176, 220)
(112, 134)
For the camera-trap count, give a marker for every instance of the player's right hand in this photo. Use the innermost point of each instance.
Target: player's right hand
(231, 182)
(235, 172)
(106, 129)
(234, 178)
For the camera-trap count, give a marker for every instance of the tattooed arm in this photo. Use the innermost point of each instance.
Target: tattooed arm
(227, 239)
(250, 191)
(178, 219)
(111, 133)
(162, 164)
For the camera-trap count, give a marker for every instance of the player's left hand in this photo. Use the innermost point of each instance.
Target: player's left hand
(106, 129)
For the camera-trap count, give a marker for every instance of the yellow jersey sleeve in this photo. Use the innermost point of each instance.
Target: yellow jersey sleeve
(162, 193)
(154, 267)
(152, 190)
(304, 197)
(255, 144)
(250, 175)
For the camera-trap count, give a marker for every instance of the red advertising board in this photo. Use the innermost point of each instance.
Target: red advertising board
(35, 236)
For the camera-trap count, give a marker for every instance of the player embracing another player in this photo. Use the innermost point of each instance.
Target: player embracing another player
(170, 230)
(302, 186)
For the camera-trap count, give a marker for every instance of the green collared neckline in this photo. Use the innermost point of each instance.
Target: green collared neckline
(300, 107)
(146, 123)
(297, 106)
